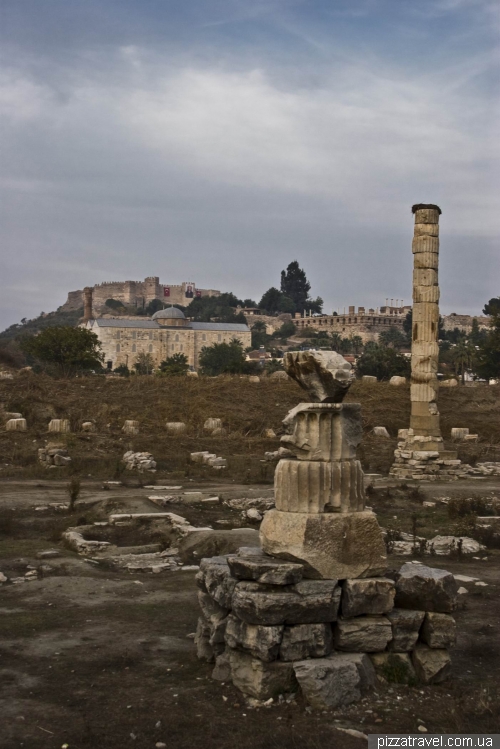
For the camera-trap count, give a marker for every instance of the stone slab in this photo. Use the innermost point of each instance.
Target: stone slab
(431, 665)
(307, 602)
(306, 641)
(265, 569)
(331, 546)
(366, 634)
(426, 588)
(261, 680)
(337, 680)
(367, 596)
(439, 630)
(405, 629)
(257, 640)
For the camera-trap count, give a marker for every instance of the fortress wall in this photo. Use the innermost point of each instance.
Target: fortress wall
(368, 327)
(464, 322)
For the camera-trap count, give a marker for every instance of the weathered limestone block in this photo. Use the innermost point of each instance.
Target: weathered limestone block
(88, 426)
(395, 667)
(431, 229)
(317, 486)
(337, 680)
(219, 432)
(265, 569)
(269, 433)
(426, 260)
(222, 668)
(261, 680)
(405, 628)
(309, 601)
(323, 431)
(381, 432)
(59, 425)
(403, 434)
(367, 596)
(175, 427)
(451, 383)
(431, 665)
(425, 245)
(421, 587)
(62, 460)
(211, 424)
(16, 425)
(396, 380)
(211, 610)
(306, 641)
(325, 375)
(254, 378)
(366, 634)
(131, 427)
(459, 433)
(204, 650)
(369, 378)
(439, 630)
(12, 415)
(207, 457)
(331, 546)
(218, 581)
(199, 456)
(258, 640)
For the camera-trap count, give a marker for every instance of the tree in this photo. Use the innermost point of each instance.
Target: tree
(249, 303)
(259, 335)
(65, 350)
(274, 366)
(122, 370)
(463, 356)
(274, 301)
(154, 306)
(287, 330)
(174, 366)
(492, 307)
(222, 358)
(394, 338)
(488, 354)
(382, 362)
(294, 284)
(115, 304)
(216, 309)
(144, 364)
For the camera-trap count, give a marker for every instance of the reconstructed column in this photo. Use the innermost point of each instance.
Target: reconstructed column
(422, 456)
(424, 418)
(320, 518)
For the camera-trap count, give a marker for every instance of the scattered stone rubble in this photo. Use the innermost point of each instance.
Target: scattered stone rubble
(130, 427)
(210, 459)
(408, 545)
(275, 631)
(59, 425)
(139, 462)
(54, 455)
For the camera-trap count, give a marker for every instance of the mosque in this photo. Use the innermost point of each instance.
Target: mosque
(166, 333)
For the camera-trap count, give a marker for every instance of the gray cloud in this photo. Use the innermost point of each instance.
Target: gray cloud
(190, 164)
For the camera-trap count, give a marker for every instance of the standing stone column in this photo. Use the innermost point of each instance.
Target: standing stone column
(422, 456)
(424, 418)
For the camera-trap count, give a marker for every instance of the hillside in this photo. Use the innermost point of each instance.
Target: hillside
(29, 327)
(245, 408)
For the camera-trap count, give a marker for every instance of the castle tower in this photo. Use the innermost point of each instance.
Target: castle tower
(87, 303)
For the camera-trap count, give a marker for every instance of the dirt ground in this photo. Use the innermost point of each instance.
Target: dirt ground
(96, 658)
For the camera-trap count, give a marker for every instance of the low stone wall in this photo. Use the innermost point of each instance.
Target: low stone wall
(272, 632)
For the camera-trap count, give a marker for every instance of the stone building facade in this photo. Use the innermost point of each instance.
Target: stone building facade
(368, 324)
(139, 293)
(168, 332)
(464, 322)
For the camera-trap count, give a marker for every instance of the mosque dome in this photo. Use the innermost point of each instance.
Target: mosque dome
(170, 316)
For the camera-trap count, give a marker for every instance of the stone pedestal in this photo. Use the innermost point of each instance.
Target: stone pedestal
(320, 520)
(330, 546)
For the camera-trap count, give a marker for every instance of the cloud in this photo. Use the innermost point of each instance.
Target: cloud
(133, 161)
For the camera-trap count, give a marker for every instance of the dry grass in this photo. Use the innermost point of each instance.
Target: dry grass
(245, 408)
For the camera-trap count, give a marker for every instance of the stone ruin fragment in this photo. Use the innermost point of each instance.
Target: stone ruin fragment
(312, 609)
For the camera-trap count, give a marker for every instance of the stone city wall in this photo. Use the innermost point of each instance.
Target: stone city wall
(464, 322)
(367, 326)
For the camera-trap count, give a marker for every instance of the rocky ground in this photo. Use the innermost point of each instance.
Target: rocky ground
(95, 655)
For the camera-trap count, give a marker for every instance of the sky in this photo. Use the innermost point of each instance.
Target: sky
(216, 141)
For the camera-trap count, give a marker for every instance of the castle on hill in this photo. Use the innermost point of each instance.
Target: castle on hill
(138, 294)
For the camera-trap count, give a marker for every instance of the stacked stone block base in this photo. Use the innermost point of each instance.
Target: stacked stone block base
(272, 631)
(425, 459)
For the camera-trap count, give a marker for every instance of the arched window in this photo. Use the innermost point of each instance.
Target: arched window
(177, 337)
(219, 337)
(118, 334)
(134, 334)
(134, 348)
(204, 337)
(150, 347)
(118, 348)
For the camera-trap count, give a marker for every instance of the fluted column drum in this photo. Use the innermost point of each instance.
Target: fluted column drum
(319, 486)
